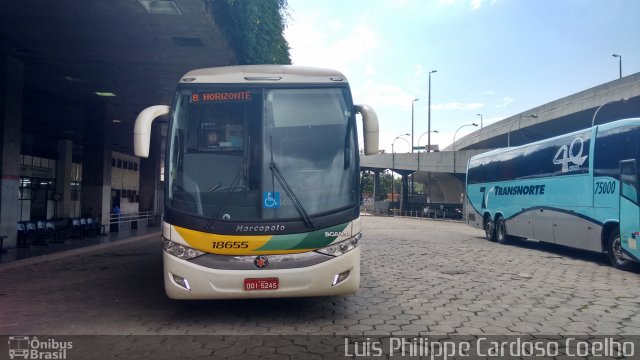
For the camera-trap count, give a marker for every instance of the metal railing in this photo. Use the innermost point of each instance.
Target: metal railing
(430, 214)
(129, 218)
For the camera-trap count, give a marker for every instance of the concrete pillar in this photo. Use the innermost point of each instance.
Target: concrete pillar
(377, 196)
(63, 178)
(11, 88)
(150, 174)
(96, 161)
(377, 191)
(404, 194)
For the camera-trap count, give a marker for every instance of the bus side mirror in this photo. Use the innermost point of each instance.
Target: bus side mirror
(142, 128)
(370, 128)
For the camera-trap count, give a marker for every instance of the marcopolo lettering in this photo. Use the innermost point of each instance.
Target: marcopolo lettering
(520, 190)
(259, 228)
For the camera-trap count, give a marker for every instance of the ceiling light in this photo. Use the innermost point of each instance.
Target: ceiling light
(105, 94)
(116, 121)
(160, 7)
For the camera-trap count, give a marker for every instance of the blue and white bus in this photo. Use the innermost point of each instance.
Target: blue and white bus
(578, 190)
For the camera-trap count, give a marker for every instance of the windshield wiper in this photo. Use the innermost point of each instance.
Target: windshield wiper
(296, 202)
(275, 170)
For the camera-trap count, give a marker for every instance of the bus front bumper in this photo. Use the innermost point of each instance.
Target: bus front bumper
(208, 283)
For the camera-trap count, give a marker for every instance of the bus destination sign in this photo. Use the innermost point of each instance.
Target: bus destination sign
(221, 96)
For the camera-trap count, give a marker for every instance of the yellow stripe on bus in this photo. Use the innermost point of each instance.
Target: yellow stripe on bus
(229, 244)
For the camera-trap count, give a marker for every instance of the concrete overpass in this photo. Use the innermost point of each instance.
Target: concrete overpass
(440, 162)
(444, 170)
(561, 116)
(436, 170)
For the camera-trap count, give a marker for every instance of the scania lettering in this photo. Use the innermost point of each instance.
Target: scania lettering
(578, 190)
(261, 182)
(336, 233)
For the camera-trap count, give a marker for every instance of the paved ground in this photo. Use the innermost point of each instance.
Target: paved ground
(419, 277)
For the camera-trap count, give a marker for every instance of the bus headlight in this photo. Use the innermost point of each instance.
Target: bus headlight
(180, 251)
(342, 247)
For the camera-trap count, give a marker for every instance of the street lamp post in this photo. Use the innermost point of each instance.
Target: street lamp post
(429, 136)
(481, 126)
(393, 163)
(456, 133)
(619, 63)
(534, 116)
(593, 120)
(425, 133)
(412, 103)
(454, 144)
(429, 113)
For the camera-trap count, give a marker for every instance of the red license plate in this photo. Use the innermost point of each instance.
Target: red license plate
(261, 284)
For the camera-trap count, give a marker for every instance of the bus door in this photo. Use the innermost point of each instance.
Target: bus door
(629, 210)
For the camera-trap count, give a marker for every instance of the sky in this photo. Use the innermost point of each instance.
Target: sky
(497, 58)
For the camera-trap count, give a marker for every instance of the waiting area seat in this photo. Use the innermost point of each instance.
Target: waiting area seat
(101, 229)
(94, 226)
(75, 228)
(55, 234)
(44, 232)
(41, 232)
(86, 231)
(30, 231)
(22, 235)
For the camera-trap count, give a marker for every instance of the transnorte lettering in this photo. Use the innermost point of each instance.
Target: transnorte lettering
(520, 190)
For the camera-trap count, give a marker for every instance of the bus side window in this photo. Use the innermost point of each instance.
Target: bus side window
(629, 180)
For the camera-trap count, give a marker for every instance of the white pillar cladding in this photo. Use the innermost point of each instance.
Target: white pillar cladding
(96, 160)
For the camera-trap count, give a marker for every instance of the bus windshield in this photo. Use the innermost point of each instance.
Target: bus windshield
(224, 142)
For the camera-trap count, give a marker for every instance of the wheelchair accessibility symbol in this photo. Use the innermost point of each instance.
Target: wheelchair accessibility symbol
(271, 200)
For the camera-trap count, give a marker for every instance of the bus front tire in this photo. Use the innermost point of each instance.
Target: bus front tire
(489, 229)
(501, 231)
(614, 251)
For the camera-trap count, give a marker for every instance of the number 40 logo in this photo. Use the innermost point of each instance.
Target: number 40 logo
(570, 154)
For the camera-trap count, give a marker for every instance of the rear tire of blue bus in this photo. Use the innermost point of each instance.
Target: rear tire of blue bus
(614, 252)
(501, 231)
(489, 228)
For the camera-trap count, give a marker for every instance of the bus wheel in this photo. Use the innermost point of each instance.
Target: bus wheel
(489, 229)
(614, 250)
(501, 231)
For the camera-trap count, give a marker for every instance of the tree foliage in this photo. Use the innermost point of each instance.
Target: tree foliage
(367, 179)
(254, 29)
